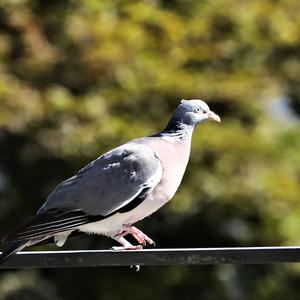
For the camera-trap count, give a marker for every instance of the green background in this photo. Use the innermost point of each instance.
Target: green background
(78, 78)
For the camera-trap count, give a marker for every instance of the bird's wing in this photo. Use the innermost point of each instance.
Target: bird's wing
(115, 182)
(110, 182)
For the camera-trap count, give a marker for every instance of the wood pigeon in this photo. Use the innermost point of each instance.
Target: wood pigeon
(117, 189)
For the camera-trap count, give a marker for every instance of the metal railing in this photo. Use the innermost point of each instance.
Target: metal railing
(185, 256)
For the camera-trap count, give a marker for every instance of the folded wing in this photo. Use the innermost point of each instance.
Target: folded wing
(115, 182)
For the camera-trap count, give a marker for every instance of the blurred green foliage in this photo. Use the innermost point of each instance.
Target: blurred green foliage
(80, 77)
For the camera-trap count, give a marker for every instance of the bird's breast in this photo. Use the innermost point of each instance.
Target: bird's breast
(174, 157)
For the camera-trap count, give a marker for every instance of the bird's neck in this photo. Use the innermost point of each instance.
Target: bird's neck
(177, 129)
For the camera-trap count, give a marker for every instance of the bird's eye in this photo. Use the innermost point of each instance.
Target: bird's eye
(197, 110)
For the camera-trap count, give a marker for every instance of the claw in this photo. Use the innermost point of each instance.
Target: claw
(137, 267)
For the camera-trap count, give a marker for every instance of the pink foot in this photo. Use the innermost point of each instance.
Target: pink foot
(140, 236)
(125, 244)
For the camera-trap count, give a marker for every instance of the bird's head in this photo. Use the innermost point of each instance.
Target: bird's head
(193, 112)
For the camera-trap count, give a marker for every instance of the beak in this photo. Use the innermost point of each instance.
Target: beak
(214, 117)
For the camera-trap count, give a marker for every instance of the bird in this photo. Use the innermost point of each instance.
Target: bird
(119, 188)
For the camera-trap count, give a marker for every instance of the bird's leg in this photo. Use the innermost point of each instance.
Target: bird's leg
(140, 236)
(125, 244)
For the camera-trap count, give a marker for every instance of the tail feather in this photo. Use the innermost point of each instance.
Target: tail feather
(43, 227)
(12, 248)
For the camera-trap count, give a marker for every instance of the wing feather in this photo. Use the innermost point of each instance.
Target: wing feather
(110, 182)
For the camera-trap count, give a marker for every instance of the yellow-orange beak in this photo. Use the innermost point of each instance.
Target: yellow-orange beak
(214, 117)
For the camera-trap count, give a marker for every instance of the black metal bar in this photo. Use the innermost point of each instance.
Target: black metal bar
(188, 256)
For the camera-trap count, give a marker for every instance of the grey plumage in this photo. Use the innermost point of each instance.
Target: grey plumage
(117, 189)
(117, 177)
